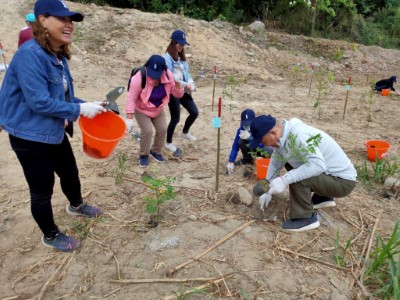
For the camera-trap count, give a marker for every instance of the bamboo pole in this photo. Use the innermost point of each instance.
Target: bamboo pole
(218, 144)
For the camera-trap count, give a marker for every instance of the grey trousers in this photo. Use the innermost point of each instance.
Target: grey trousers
(322, 185)
(146, 132)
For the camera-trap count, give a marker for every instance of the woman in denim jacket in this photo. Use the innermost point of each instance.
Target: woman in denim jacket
(177, 64)
(37, 108)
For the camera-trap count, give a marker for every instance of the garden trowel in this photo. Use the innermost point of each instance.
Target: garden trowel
(111, 98)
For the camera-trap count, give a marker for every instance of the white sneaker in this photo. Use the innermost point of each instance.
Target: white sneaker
(189, 136)
(170, 147)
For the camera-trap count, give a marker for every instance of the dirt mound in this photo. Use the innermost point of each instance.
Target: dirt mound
(231, 250)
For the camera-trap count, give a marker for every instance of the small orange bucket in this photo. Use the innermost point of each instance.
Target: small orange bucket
(101, 134)
(376, 148)
(262, 167)
(385, 92)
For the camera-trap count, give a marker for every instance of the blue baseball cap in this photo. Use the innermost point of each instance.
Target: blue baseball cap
(56, 8)
(260, 127)
(155, 66)
(247, 117)
(393, 78)
(180, 37)
(30, 18)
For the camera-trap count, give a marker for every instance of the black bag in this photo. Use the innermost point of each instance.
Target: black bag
(142, 72)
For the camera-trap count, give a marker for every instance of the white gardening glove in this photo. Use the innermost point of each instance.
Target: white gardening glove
(264, 200)
(230, 166)
(244, 134)
(178, 73)
(90, 110)
(277, 186)
(191, 85)
(129, 124)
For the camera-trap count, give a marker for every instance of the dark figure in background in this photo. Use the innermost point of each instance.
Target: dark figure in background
(386, 84)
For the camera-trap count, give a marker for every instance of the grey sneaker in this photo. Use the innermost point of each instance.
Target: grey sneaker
(301, 224)
(61, 242)
(84, 209)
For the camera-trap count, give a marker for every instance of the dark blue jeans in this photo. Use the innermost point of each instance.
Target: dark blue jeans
(175, 111)
(39, 162)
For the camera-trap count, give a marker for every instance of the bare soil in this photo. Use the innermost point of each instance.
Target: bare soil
(233, 251)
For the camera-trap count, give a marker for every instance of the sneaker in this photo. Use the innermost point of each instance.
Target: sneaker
(189, 136)
(61, 242)
(84, 209)
(301, 224)
(171, 147)
(143, 161)
(157, 156)
(322, 201)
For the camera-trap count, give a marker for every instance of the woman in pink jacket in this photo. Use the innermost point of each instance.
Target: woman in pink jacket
(147, 105)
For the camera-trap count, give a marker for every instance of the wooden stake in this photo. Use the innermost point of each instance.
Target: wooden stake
(218, 144)
(218, 243)
(347, 95)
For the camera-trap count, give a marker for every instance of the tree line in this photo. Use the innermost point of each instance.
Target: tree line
(369, 22)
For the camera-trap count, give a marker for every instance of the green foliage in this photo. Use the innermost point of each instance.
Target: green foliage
(382, 274)
(162, 191)
(337, 55)
(324, 80)
(259, 152)
(339, 254)
(120, 170)
(230, 87)
(184, 294)
(372, 173)
(363, 21)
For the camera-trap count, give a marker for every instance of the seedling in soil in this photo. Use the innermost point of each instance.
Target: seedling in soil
(120, 170)
(339, 256)
(371, 174)
(324, 80)
(184, 294)
(295, 73)
(383, 268)
(230, 87)
(162, 191)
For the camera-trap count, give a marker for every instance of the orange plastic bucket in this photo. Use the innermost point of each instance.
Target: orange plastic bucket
(385, 92)
(101, 134)
(262, 167)
(376, 148)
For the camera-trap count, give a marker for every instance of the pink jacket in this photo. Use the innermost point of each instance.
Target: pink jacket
(138, 99)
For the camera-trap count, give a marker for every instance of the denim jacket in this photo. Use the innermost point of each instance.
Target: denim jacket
(32, 97)
(171, 63)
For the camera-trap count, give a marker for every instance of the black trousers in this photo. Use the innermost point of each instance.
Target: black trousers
(175, 111)
(39, 162)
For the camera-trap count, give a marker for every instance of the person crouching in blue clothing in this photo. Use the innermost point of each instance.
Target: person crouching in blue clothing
(242, 140)
(37, 108)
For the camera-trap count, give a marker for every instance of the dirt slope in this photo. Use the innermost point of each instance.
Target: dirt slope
(258, 262)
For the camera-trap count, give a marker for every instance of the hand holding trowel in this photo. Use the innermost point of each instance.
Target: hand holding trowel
(111, 98)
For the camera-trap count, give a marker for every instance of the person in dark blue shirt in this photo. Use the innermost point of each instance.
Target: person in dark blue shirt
(386, 84)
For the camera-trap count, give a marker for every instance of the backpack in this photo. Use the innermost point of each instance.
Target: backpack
(142, 72)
